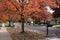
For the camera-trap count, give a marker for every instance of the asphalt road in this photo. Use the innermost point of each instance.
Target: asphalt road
(43, 29)
(52, 30)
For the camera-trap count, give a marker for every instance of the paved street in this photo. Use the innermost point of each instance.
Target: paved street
(53, 31)
(43, 29)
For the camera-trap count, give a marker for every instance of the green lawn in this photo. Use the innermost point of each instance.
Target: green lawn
(56, 26)
(0, 24)
(28, 35)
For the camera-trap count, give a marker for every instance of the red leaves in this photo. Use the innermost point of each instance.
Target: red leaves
(43, 15)
(12, 7)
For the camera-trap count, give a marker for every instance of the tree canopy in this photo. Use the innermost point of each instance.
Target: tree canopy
(33, 9)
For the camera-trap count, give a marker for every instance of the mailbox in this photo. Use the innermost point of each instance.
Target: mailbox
(49, 25)
(47, 30)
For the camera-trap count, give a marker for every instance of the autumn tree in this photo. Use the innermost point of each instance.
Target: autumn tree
(8, 11)
(56, 14)
(27, 8)
(37, 8)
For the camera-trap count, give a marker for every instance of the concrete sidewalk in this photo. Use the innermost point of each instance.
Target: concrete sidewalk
(4, 35)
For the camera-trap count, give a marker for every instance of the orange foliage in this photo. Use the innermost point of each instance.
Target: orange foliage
(13, 8)
(43, 15)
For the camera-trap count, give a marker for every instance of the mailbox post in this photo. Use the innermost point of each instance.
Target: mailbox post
(47, 30)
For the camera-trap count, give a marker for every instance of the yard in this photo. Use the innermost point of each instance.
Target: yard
(57, 26)
(0, 24)
(28, 35)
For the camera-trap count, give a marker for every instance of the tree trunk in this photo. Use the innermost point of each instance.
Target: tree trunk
(9, 23)
(23, 25)
(22, 16)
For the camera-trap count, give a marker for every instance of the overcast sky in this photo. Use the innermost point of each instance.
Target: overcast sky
(49, 9)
